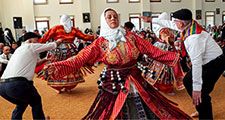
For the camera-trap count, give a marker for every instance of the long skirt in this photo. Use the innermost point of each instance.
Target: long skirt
(140, 101)
(161, 76)
(62, 52)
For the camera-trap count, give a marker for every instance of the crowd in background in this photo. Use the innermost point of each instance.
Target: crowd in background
(7, 39)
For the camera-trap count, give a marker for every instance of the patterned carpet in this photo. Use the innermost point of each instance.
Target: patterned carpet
(74, 105)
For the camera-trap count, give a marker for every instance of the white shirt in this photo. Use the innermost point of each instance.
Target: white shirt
(3, 58)
(201, 48)
(23, 61)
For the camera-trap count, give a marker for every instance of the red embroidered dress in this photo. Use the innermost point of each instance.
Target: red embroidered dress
(121, 80)
(64, 51)
(164, 78)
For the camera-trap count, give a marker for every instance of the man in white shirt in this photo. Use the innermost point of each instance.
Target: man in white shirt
(207, 58)
(16, 84)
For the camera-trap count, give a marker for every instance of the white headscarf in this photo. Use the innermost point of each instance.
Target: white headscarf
(66, 22)
(156, 27)
(114, 36)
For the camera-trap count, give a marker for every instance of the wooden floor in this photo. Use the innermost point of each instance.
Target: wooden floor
(74, 105)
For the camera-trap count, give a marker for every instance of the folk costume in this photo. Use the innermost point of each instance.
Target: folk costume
(207, 60)
(65, 50)
(123, 92)
(163, 77)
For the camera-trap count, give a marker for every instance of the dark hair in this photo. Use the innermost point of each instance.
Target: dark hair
(109, 9)
(129, 25)
(29, 35)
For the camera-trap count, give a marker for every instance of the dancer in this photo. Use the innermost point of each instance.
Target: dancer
(165, 78)
(207, 58)
(123, 92)
(67, 49)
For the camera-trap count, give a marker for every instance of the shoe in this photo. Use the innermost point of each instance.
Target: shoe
(180, 85)
(194, 114)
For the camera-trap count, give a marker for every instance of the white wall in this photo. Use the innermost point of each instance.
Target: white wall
(1, 12)
(53, 9)
(123, 8)
(167, 6)
(17, 8)
(26, 10)
(211, 6)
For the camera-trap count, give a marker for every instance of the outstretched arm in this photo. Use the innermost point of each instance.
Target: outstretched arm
(84, 37)
(162, 23)
(166, 57)
(88, 55)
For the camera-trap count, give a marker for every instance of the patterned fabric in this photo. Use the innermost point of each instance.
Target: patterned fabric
(163, 77)
(108, 105)
(195, 28)
(58, 32)
(62, 52)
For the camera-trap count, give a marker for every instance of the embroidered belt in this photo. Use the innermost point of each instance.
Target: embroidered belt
(113, 79)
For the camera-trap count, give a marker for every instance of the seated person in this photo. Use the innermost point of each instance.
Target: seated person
(4, 58)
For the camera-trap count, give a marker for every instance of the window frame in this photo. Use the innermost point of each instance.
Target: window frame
(209, 0)
(138, 16)
(44, 3)
(154, 0)
(137, 1)
(112, 1)
(61, 2)
(210, 16)
(223, 16)
(42, 19)
(175, 0)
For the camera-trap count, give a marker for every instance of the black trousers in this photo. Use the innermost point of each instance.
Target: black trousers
(210, 74)
(22, 92)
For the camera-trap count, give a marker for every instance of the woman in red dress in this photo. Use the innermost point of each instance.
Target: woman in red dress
(67, 49)
(123, 92)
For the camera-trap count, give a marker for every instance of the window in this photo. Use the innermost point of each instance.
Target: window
(155, 0)
(42, 23)
(223, 17)
(209, 0)
(112, 1)
(65, 1)
(134, 1)
(175, 0)
(134, 18)
(209, 18)
(40, 2)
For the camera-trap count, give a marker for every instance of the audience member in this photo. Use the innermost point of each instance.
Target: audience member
(4, 58)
